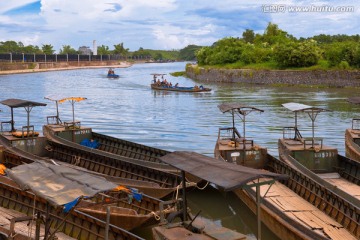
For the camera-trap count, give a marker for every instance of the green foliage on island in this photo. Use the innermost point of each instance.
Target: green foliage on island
(276, 49)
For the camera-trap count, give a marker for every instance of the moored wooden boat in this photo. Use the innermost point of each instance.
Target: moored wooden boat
(287, 203)
(321, 163)
(108, 146)
(150, 181)
(77, 224)
(93, 195)
(352, 136)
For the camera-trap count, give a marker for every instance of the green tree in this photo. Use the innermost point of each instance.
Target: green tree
(297, 54)
(31, 49)
(67, 49)
(9, 46)
(119, 49)
(141, 53)
(338, 52)
(188, 53)
(47, 49)
(103, 50)
(248, 36)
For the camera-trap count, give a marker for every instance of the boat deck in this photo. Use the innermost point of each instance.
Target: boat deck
(23, 229)
(295, 145)
(341, 183)
(302, 211)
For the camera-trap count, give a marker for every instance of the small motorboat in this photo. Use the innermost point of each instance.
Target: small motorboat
(111, 74)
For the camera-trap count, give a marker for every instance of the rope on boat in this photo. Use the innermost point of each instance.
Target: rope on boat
(165, 211)
(75, 160)
(49, 148)
(189, 183)
(207, 183)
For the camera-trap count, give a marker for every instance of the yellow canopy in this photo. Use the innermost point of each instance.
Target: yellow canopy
(75, 99)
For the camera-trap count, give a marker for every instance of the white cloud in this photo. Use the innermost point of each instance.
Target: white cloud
(163, 24)
(9, 5)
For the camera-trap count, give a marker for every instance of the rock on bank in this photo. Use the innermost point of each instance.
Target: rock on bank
(330, 78)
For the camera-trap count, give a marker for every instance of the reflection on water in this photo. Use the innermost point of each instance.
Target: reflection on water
(127, 108)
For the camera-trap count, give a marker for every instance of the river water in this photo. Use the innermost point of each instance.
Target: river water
(127, 108)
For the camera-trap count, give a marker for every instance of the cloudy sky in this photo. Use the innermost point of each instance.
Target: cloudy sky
(167, 24)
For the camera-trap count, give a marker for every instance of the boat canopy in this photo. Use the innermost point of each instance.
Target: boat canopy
(225, 175)
(17, 103)
(298, 107)
(241, 110)
(60, 99)
(58, 184)
(227, 107)
(355, 100)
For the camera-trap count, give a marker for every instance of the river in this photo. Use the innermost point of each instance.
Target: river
(127, 108)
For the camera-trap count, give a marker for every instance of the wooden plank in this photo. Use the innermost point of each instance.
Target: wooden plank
(338, 234)
(346, 186)
(26, 227)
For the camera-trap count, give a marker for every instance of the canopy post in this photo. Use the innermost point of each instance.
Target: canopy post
(258, 201)
(258, 212)
(12, 120)
(73, 112)
(233, 122)
(184, 195)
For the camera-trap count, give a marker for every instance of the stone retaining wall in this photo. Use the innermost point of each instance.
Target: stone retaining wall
(330, 78)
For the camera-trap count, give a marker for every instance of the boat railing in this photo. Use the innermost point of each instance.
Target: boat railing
(5, 126)
(229, 133)
(313, 142)
(72, 125)
(53, 120)
(28, 131)
(292, 133)
(356, 124)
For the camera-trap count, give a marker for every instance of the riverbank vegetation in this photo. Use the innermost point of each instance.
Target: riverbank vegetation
(276, 49)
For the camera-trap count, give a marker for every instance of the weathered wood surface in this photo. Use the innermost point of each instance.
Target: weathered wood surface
(302, 211)
(23, 230)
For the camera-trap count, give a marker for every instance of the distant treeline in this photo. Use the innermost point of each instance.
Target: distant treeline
(276, 49)
(17, 49)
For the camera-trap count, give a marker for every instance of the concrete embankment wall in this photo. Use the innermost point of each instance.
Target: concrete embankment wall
(330, 78)
(48, 65)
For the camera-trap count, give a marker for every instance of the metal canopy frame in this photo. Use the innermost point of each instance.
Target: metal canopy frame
(310, 110)
(225, 175)
(17, 103)
(241, 110)
(60, 99)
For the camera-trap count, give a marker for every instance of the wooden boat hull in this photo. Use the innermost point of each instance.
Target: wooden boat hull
(277, 221)
(109, 146)
(179, 89)
(77, 224)
(343, 212)
(345, 168)
(158, 183)
(352, 144)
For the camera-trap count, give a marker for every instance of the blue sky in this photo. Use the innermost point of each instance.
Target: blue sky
(167, 24)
